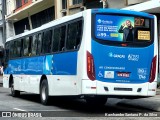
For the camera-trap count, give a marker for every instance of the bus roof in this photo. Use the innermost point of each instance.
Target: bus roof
(120, 11)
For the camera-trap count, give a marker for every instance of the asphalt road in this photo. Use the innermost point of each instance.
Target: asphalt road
(69, 108)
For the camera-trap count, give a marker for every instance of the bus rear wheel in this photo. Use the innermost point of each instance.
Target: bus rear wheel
(14, 93)
(44, 92)
(96, 100)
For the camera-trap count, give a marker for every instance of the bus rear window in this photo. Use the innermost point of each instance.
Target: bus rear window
(122, 28)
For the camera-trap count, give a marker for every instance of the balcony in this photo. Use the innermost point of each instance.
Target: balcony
(29, 8)
(22, 4)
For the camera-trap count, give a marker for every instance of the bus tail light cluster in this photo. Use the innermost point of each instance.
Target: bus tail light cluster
(153, 69)
(90, 66)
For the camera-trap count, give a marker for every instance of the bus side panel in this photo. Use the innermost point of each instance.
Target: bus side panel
(63, 78)
(32, 83)
(6, 80)
(62, 85)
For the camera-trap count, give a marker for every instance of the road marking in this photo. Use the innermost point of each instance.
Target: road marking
(19, 109)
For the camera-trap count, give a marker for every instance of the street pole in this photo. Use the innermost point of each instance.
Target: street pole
(105, 5)
(3, 21)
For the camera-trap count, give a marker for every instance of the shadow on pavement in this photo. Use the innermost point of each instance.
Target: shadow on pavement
(79, 105)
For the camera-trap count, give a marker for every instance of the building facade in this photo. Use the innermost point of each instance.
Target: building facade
(2, 39)
(1, 26)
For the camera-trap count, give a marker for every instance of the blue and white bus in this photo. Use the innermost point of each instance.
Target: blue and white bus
(96, 54)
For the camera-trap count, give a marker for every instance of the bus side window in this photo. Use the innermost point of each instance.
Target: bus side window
(62, 38)
(34, 45)
(79, 33)
(27, 46)
(12, 49)
(17, 48)
(74, 35)
(39, 44)
(6, 56)
(56, 39)
(46, 41)
(71, 36)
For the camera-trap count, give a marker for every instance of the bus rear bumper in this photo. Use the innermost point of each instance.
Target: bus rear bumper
(118, 89)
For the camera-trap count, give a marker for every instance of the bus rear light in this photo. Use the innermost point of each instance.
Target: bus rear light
(153, 69)
(90, 66)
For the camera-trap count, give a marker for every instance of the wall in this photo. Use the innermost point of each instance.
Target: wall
(116, 3)
(131, 2)
(10, 6)
(58, 8)
(9, 29)
(1, 26)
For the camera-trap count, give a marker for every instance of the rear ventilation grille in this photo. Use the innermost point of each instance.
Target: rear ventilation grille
(122, 89)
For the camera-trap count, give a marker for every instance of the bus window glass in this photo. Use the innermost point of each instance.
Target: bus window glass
(71, 36)
(7, 48)
(34, 45)
(39, 43)
(79, 33)
(74, 35)
(122, 28)
(46, 42)
(56, 39)
(62, 38)
(12, 49)
(27, 46)
(59, 39)
(17, 48)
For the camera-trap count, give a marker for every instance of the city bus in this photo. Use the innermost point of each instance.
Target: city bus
(94, 54)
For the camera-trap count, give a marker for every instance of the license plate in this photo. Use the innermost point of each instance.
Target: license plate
(123, 74)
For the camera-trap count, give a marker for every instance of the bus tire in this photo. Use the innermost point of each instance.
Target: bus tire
(44, 94)
(96, 100)
(14, 93)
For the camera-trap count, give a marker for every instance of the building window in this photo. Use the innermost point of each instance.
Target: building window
(38, 20)
(64, 4)
(64, 7)
(21, 25)
(77, 2)
(18, 3)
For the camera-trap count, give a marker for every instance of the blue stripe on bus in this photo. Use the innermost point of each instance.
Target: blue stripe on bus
(57, 64)
(127, 12)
